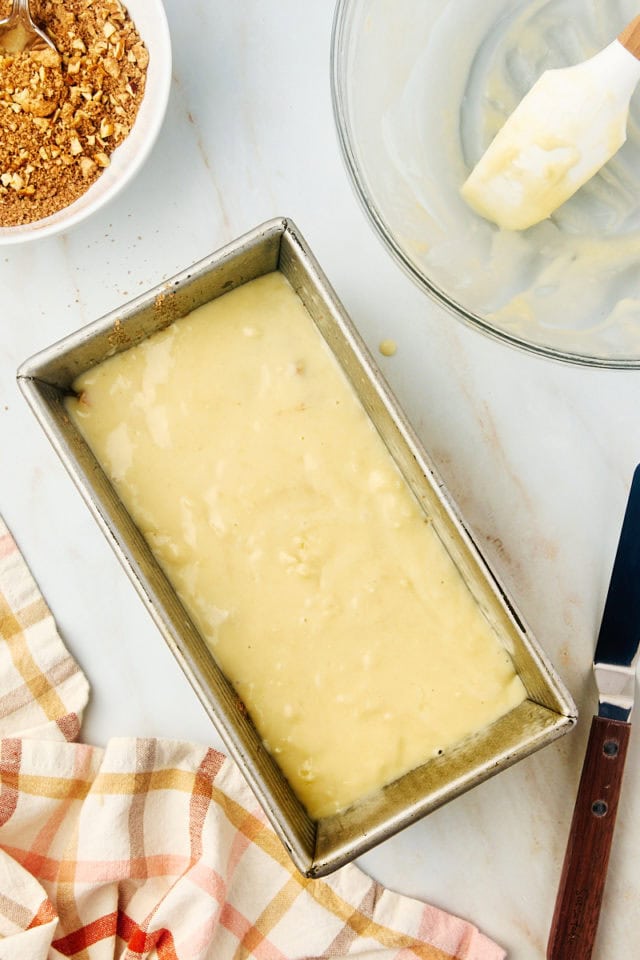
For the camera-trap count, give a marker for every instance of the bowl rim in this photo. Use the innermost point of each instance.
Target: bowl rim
(156, 108)
(340, 105)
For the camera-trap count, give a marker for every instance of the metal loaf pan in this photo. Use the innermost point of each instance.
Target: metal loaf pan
(317, 848)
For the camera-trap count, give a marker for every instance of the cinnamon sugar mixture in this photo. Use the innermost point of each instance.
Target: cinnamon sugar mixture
(61, 117)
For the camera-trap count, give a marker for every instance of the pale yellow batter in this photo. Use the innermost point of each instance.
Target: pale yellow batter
(269, 499)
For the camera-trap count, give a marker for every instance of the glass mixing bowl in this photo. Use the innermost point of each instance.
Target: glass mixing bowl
(420, 87)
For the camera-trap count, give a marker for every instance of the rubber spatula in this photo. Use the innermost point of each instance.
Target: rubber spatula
(572, 121)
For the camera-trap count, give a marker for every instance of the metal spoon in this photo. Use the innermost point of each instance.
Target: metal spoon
(18, 33)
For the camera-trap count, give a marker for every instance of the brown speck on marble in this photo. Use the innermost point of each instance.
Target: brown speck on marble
(548, 549)
(565, 656)
(500, 547)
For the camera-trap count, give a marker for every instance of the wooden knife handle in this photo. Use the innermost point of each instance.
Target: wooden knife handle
(577, 911)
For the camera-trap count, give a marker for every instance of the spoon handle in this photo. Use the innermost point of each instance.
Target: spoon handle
(21, 10)
(630, 37)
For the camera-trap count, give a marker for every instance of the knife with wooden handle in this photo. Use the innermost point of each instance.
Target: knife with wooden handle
(577, 910)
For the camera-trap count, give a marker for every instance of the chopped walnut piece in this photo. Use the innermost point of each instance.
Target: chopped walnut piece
(87, 167)
(111, 66)
(106, 128)
(141, 55)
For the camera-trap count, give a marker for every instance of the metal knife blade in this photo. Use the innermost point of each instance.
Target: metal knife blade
(618, 646)
(579, 899)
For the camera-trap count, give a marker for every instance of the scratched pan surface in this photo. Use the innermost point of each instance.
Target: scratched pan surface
(316, 847)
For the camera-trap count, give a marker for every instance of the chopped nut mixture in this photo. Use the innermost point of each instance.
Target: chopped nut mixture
(61, 117)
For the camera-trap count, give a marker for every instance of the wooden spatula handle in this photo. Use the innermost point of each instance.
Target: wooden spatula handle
(577, 911)
(630, 37)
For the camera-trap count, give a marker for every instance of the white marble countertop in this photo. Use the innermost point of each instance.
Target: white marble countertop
(537, 455)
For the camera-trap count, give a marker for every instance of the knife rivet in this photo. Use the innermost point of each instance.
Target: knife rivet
(599, 808)
(610, 748)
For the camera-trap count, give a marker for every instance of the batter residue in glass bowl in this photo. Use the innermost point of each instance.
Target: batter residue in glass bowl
(567, 286)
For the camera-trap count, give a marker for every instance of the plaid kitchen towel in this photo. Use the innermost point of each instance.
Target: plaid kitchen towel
(155, 848)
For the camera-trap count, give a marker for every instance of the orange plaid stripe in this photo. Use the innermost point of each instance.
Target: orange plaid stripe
(45, 914)
(12, 630)
(38, 678)
(80, 940)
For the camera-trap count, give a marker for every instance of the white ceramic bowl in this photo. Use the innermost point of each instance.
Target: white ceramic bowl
(419, 89)
(151, 22)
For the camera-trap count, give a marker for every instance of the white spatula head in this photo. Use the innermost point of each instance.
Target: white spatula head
(572, 121)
